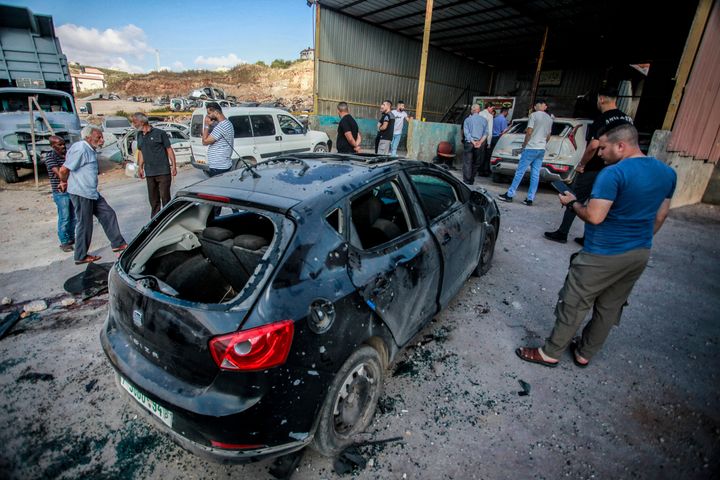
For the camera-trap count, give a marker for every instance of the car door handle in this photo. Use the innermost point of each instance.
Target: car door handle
(446, 239)
(278, 138)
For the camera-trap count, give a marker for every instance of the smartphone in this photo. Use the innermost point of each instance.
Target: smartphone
(561, 187)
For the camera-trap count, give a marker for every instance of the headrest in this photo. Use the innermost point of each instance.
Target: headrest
(217, 233)
(250, 242)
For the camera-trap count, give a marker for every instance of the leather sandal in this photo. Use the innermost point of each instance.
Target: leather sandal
(533, 355)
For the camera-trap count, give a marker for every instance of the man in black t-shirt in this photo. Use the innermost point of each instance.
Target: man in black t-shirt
(386, 126)
(348, 134)
(156, 161)
(591, 164)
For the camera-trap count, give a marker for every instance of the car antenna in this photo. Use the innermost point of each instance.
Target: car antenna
(248, 167)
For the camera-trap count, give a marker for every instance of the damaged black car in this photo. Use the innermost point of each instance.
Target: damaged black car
(258, 312)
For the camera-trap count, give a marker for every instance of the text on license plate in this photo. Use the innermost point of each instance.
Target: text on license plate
(161, 412)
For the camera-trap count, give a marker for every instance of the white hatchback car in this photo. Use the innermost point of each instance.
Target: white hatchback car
(260, 133)
(562, 154)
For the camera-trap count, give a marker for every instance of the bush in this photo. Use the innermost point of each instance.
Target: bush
(280, 63)
(122, 113)
(260, 63)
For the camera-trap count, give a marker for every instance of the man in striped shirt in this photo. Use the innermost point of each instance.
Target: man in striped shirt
(219, 140)
(54, 160)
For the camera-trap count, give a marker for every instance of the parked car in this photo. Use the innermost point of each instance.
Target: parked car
(260, 133)
(116, 125)
(563, 152)
(268, 326)
(183, 127)
(124, 149)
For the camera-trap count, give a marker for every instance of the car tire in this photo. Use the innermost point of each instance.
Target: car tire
(9, 173)
(498, 178)
(487, 252)
(350, 403)
(320, 147)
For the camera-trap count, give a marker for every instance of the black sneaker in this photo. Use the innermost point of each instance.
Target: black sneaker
(527, 202)
(504, 197)
(580, 241)
(556, 236)
(66, 247)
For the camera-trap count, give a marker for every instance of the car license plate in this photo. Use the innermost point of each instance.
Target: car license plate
(516, 151)
(161, 412)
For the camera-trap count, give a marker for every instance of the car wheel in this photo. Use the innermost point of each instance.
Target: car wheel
(320, 147)
(498, 178)
(9, 173)
(486, 252)
(351, 400)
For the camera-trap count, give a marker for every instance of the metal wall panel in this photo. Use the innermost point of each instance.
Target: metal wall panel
(363, 65)
(696, 131)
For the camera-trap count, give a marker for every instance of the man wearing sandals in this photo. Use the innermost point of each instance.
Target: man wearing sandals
(80, 171)
(628, 204)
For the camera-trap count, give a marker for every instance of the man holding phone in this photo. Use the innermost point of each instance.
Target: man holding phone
(628, 204)
(219, 141)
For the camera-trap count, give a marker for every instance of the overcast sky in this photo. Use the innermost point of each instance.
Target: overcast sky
(124, 34)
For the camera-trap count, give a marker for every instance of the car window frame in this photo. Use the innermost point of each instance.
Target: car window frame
(250, 128)
(461, 196)
(410, 216)
(273, 120)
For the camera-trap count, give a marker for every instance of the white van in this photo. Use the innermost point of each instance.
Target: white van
(260, 133)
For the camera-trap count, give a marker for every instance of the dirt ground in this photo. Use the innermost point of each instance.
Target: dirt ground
(647, 407)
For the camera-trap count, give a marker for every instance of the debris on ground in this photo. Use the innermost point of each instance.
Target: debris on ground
(90, 385)
(352, 459)
(35, 306)
(89, 283)
(283, 467)
(66, 302)
(8, 321)
(35, 377)
(7, 301)
(525, 388)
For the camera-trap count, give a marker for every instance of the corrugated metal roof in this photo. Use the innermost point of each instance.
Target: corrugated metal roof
(515, 27)
(696, 131)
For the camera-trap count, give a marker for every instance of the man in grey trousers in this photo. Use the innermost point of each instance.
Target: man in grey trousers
(628, 204)
(80, 171)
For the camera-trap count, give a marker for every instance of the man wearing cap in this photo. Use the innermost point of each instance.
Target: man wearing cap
(538, 133)
(591, 164)
(219, 141)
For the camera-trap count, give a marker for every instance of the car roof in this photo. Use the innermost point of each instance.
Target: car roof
(316, 180)
(233, 111)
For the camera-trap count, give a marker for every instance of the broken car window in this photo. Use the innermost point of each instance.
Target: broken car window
(379, 215)
(436, 195)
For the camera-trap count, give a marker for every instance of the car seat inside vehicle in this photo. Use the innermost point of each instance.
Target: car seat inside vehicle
(205, 257)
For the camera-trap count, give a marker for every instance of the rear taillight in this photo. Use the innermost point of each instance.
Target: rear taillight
(494, 160)
(558, 167)
(259, 348)
(213, 198)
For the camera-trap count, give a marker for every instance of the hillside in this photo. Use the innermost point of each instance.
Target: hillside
(291, 85)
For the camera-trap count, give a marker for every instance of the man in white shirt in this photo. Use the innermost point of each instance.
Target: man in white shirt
(488, 114)
(219, 140)
(538, 133)
(401, 117)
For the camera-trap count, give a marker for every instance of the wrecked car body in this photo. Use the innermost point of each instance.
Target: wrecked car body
(258, 312)
(123, 149)
(15, 131)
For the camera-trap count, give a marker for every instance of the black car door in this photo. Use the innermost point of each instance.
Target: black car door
(393, 262)
(452, 222)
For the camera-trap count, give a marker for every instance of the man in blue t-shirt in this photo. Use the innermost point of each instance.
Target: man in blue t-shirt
(628, 204)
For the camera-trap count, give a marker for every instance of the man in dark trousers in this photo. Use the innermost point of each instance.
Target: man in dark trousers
(475, 133)
(591, 164)
(54, 160)
(386, 126)
(156, 161)
(80, 171)
(628, 204)
(348, 134)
